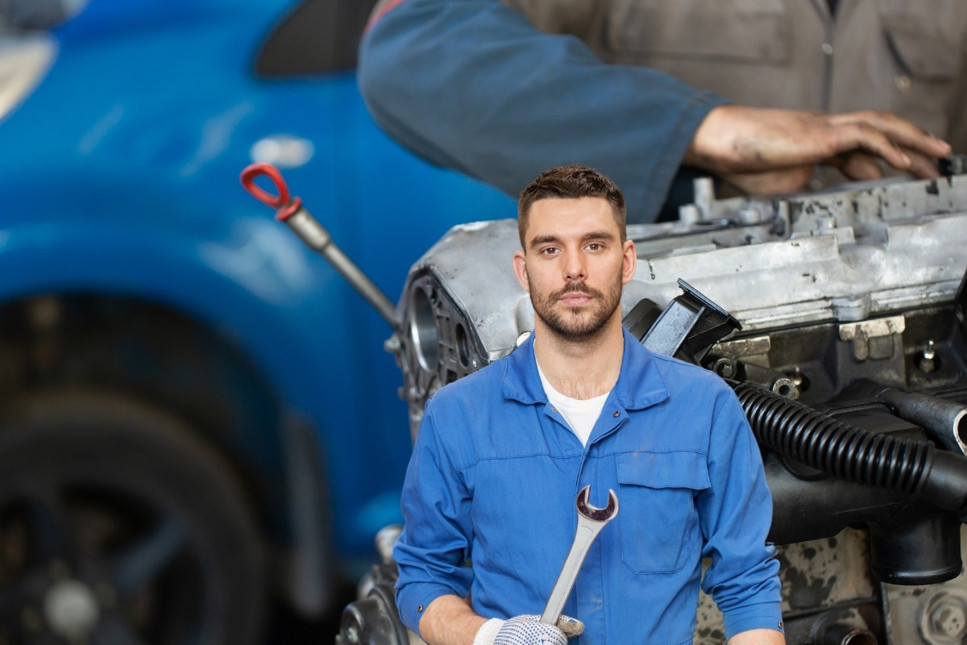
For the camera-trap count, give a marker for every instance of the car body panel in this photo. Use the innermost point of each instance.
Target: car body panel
(120, 176)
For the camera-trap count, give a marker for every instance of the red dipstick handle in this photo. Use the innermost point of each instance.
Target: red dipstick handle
(282, 202)
(314, 234)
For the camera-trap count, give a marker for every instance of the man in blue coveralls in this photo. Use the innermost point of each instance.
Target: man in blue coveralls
(501, 454)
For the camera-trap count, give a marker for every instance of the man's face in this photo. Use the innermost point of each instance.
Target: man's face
(574, 265)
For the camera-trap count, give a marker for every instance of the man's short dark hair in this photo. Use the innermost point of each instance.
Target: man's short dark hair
(570, 182)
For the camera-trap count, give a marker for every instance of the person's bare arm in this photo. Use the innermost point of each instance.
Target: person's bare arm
(770, 150)
(449, 620)
(758, 637)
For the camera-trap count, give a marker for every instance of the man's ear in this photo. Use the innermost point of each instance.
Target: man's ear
(520, 270)
(629, 262)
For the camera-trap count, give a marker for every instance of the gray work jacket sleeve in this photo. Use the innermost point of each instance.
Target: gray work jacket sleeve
(472, 85)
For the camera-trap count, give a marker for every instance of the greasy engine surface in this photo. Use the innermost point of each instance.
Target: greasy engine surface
(839, 318)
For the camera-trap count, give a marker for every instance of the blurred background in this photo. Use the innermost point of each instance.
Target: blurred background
(200, 429)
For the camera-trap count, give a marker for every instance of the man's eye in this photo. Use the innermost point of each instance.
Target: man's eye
(549, 251)
(595, 246)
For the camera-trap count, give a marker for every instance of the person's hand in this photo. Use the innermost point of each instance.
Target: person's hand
(763, 151)
(527, 630)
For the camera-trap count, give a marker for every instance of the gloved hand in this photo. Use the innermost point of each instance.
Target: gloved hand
(527, 630)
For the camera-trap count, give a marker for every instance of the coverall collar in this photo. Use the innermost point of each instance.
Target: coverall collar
(639, 385)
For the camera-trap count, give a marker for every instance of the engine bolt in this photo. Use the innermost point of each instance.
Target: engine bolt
(784, 386)
(943, 619)
(927, 361)
(724, 367)
(948, 620)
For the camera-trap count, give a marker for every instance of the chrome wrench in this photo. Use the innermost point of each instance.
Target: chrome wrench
(590, 522)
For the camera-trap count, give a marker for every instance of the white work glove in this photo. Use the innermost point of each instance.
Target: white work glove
(527, 630)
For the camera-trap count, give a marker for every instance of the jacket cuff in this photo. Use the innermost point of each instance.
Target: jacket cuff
(761, 616)
(412, 601)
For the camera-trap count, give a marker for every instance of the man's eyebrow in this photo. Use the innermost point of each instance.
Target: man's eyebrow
(543, 239)
(599, 235)
(587, 237)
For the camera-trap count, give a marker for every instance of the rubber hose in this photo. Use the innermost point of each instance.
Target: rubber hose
(820, 441)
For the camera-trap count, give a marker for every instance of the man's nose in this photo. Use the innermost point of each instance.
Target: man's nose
(574, 267)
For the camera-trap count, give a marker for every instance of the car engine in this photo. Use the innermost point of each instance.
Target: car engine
(840, 320)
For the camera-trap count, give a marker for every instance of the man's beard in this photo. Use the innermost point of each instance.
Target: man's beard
(577, 325)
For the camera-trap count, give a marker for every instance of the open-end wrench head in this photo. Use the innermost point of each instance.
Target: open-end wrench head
(593, 512)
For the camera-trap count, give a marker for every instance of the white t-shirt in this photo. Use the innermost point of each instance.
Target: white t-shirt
(580, 414)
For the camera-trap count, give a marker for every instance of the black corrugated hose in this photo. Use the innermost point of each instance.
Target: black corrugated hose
(820, 441)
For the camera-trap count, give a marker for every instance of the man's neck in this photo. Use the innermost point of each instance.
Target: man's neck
(580, 369)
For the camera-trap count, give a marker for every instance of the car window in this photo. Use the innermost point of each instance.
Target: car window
(318, 36)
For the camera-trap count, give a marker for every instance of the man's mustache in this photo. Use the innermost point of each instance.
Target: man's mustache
(576, 286)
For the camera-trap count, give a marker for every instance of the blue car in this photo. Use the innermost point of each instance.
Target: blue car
(198, 418)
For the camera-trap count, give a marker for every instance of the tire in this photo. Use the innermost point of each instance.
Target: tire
(118, 526)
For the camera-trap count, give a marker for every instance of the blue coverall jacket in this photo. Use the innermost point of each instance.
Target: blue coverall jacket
(489, 502)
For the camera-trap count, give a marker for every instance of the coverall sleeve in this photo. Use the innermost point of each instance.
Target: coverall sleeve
(432, 551)
(472, 85)
(736, 515)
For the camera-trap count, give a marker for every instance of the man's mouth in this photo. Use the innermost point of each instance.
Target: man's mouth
(575, 296)
(575, 299)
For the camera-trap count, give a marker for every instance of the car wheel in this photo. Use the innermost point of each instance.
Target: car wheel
(118, 526)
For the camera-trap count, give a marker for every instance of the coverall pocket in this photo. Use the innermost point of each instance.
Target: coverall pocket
(658, 518)
(918, 38)
(739, 30)
(925, 43)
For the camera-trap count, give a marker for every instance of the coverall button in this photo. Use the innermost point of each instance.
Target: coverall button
(827, 49)
(902, 83)
(617, 413)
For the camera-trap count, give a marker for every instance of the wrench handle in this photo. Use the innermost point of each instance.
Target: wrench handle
(583, 537)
